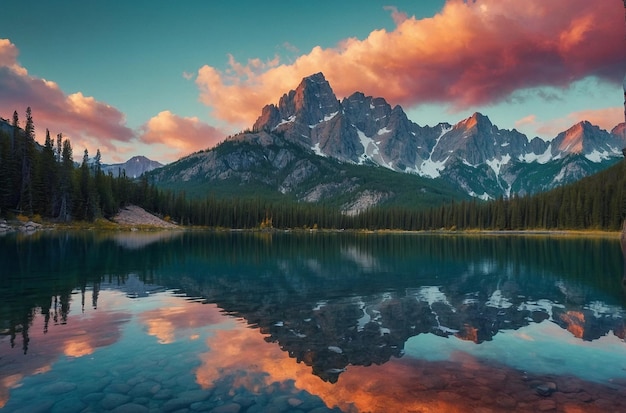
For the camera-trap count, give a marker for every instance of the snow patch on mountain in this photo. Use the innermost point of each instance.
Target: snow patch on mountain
(542, 158)
(429, 167)
(317, 150)
(496, 164)
(597, 156)
(559, 177)
(484, 196)
(371, 151)
(290, 119)
(326, 119)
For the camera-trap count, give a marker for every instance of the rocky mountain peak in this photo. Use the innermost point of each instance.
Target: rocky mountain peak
(314, 99)
(572, 141)
(619, 130)
(309, 104)
(477, 120)
(586, 139)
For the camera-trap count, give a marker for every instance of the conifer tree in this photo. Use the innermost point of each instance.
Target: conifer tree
(66, 186)
(27, 155)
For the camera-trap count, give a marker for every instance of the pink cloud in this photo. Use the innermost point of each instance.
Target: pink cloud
(92, 124)
(181, 135)
(527, 120)
(469, 54)
(86, 121)
(605, 118)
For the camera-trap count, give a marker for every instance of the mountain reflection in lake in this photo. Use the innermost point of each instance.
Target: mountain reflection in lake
(247, 322)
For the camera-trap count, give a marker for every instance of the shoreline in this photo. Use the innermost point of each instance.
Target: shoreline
(30, 227)
(133, 218)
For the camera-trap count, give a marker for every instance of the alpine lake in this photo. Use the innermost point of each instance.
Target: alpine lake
(191, 321)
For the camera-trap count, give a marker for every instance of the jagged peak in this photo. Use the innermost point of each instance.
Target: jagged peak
(573, 139)
(357, 95)
(581, 127)
(619, 130)
(316, 78)
(316, 81)
(477, 119)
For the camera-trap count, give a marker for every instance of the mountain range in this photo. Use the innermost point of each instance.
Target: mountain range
(310, 145)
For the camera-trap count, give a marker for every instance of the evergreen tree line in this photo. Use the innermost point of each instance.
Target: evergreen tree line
(45, 181)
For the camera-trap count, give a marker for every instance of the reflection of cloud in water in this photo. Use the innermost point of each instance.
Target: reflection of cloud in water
(134, 240)
(460, 384)
(170, 322)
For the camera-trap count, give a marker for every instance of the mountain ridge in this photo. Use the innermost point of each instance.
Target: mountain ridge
(474, 157)
(363, 129)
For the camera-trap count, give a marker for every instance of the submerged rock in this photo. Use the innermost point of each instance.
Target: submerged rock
(546, 389)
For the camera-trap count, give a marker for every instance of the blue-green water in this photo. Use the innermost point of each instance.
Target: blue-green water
(251, 322)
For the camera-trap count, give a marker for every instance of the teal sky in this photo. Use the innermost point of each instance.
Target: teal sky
(137, 65)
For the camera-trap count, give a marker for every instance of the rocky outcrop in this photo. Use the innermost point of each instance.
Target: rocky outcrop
(363, 201)
(136, 216)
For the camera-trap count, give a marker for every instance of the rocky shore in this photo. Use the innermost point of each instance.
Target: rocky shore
(130, 217)
(26, 227)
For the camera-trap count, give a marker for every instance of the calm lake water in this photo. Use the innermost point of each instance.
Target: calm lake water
(243, 322)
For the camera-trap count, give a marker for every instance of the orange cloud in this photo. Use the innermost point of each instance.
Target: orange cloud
(471, 53)
(168, 323)
(86, 121)
(181, 135)
(527, 120)
(8, 57)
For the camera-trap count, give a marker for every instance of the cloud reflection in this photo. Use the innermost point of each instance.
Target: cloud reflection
(172, 322)
(463, 383)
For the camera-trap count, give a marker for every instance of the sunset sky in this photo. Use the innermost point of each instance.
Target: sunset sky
(165, 79)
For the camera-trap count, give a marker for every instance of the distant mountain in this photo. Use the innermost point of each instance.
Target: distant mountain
(133, 168)
(359, 152)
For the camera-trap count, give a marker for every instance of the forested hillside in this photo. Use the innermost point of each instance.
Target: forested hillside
(595, 202)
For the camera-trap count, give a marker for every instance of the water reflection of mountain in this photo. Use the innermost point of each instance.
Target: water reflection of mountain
(331, 300)
(356, 300)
